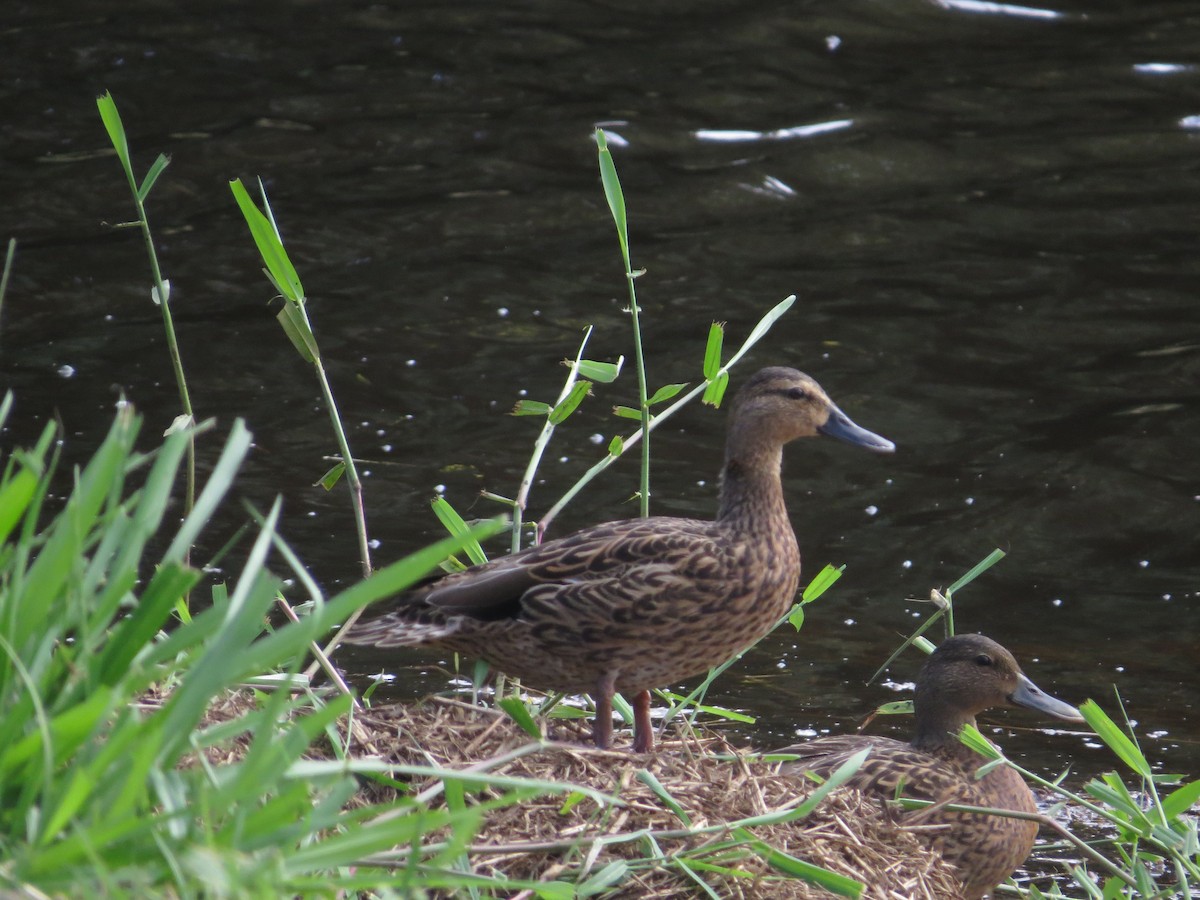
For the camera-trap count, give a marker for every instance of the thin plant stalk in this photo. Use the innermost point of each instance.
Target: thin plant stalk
(162, 288)
(8, 261)
(945, 608)
(539, 448)
(616, 205)
(294, 319)
(352, 478)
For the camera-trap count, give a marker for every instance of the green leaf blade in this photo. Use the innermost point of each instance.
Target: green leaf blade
(156, 169)
(531, 408)
(1115, 738)
(602, 372)
(666, 392)
(116, 131)
(824, 580)
(295, 325)
(519, 713)
(714, 392)
(613, 193)
(270, 247)
(712, 350)
(457, 526)
(570, 403)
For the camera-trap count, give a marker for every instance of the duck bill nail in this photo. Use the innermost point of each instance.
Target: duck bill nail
(839, 426)
(1031, 696)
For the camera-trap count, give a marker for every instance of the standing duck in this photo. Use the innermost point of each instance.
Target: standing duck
(964, 676)
(631, 605)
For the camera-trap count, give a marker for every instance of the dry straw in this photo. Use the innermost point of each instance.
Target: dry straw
(710, 781)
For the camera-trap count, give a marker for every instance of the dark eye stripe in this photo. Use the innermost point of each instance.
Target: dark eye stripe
(793, 393)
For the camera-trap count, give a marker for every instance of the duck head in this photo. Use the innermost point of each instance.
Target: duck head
(779, 405)
(967, 674)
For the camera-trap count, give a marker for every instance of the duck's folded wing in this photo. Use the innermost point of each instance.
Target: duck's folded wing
(607, 574)
(881, 772)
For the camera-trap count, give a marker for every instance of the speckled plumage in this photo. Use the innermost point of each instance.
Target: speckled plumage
(631, 605)
(964, 676)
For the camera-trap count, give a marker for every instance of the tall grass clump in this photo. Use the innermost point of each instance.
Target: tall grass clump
(115, 777)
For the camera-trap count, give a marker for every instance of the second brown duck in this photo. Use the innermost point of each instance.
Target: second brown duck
(964, 676)
(631, 605)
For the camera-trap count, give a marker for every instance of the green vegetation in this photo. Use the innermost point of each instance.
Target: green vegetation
(119, 778)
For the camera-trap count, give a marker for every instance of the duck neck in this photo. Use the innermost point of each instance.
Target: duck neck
(937, 732)
(751, 491)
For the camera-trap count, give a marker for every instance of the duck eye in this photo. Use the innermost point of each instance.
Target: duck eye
(797, 393)
(983, 660)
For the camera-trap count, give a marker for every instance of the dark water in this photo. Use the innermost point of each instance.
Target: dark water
(996, 258)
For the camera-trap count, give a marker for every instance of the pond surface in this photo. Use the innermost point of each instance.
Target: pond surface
(992, 232)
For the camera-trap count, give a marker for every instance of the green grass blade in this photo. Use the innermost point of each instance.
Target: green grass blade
(1181, 799)
(116, 134)
(1115, 738)
(271, 752)
(712, 350)
(4, 274)
(974, 739)
(457, 527)
(665, 393)
(64, 734)
(383, 834)
(798, 868)
(613, 193)
(329, 480)
(100, 479)
(270, 248)
(16, 494)
(603, 372)
(824, 580)
(237, 445)
(759, 331)
(714, 391)
(153, 611)
(299, 332)
(519, 713)
(287, 642)
(531, 408)
(570, 403)
(156, 169)
(646, 777)
(978, 569)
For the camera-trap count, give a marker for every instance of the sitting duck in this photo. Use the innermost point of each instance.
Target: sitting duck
(630, 605)
(964, 676)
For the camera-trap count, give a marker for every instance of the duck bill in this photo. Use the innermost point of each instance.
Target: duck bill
(1031, 696)
(838, 425)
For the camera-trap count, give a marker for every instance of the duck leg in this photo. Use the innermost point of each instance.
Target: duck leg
(602, 724)
(643, 731)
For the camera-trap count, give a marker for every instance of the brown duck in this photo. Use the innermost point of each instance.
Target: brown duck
(631, 605)
(964, 676)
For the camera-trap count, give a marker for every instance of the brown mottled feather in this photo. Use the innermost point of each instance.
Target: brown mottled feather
(631, 605)
(954, 685)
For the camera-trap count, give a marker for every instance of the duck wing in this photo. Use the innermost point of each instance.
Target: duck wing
(612, 572)
(892, 768)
